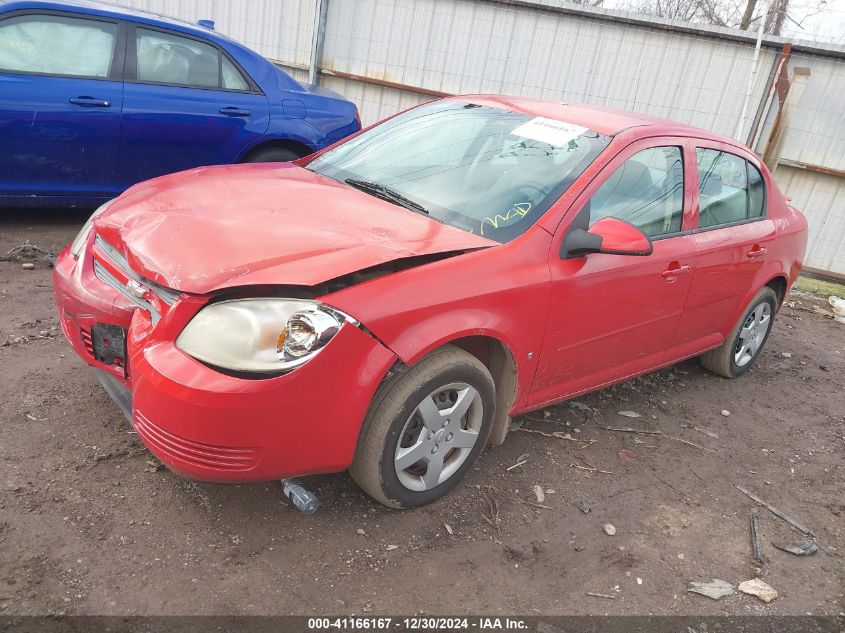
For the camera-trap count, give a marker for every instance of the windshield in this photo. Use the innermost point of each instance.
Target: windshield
(485, 170)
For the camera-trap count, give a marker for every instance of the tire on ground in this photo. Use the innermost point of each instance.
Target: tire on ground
(721, 360)
(392, 406)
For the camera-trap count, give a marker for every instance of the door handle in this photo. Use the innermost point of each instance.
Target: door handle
(90, 102)
(232, 111)
(756, 252)
(672, 272)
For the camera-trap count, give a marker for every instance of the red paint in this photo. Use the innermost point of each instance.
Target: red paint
(570, 325)
(621, 238)
(263, 223)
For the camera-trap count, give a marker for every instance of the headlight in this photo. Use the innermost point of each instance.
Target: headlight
(79, 241)
(266, 336)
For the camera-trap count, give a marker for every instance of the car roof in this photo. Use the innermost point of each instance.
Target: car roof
(607, 121)
(90, 7)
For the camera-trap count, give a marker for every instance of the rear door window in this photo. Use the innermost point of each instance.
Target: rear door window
(730, 189)
(232, 77)
(57, 45)
(170, 59)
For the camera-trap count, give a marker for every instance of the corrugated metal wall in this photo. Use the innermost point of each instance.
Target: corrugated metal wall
(404, 49)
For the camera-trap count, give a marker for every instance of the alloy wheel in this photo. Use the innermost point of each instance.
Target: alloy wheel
(752, 334)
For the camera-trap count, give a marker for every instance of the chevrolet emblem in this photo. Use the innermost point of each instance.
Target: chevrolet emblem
(135, 289)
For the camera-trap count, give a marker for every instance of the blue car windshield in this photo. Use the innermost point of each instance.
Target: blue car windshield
(488, 171)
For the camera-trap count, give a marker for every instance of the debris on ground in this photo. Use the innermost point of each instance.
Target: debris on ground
(361, 532)
(609, 529)
(838, 305)
(587, 465)
(758, 588)
(725, 412)
(580, 406)
(29, 252)
(498, 492)
(630, 414)
(520, 461)
(601, 595)
(715, 436)
(755, 539)
(628, 429)
(774, 510)
(449, 530)
(714, 589)
(786, 354)
(802, 547)
(539, 493)
(28, 266)
(153, 465)
(583, 507)
(494, 519)
(390, 548)
(559, 435)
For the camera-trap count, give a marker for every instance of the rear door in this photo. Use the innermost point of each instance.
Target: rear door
(61, 93)
(612, 316)
(187, 103)
(731, 238)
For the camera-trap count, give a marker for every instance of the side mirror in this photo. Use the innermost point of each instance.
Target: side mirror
(610, 236)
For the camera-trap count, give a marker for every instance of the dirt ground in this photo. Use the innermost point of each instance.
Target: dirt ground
(87, 526)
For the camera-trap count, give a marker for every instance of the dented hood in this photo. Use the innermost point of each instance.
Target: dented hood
(217, 227)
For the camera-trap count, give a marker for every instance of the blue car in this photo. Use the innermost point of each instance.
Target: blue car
(94, 98)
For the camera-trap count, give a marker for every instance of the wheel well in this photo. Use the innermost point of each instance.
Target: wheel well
(498, 359)
(301, 149)
(778, 284)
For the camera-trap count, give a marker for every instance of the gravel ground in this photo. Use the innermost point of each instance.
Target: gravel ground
(88, 525)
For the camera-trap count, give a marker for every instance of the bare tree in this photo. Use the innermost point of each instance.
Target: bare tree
(686, 10)
(747, 15)
(737, 14)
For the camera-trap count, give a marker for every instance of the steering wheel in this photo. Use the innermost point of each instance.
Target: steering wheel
(533, 191)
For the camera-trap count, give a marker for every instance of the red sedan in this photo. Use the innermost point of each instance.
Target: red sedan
(386, 305)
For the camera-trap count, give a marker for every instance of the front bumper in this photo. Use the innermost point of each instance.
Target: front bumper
(210, 426)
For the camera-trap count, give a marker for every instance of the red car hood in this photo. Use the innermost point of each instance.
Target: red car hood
(218, 227)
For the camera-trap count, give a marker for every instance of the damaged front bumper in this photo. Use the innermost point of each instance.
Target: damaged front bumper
(202, 423)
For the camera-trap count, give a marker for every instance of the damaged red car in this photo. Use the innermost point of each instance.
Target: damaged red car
(386, 305)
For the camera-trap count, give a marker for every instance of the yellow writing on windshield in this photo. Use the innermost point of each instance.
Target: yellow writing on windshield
(519, 210)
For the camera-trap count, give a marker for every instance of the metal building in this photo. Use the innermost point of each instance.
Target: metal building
(387, 55)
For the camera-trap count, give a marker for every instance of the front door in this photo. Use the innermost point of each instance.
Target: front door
(61, 93)
(612, 316)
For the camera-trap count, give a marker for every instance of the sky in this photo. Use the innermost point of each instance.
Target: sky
(827, 26)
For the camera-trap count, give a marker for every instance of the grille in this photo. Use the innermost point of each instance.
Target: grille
(204, 455)
(165, 296)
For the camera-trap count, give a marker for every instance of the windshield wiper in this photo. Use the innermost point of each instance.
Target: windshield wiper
(386, 193)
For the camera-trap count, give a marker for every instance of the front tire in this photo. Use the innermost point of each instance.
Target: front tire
(745, 342)
(425, 429)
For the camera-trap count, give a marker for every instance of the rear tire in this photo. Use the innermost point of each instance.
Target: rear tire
(743, 345)
(425, 429)
(272, 155)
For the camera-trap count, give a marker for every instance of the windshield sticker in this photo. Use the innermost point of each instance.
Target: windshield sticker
(519, 210)
(557, 133)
